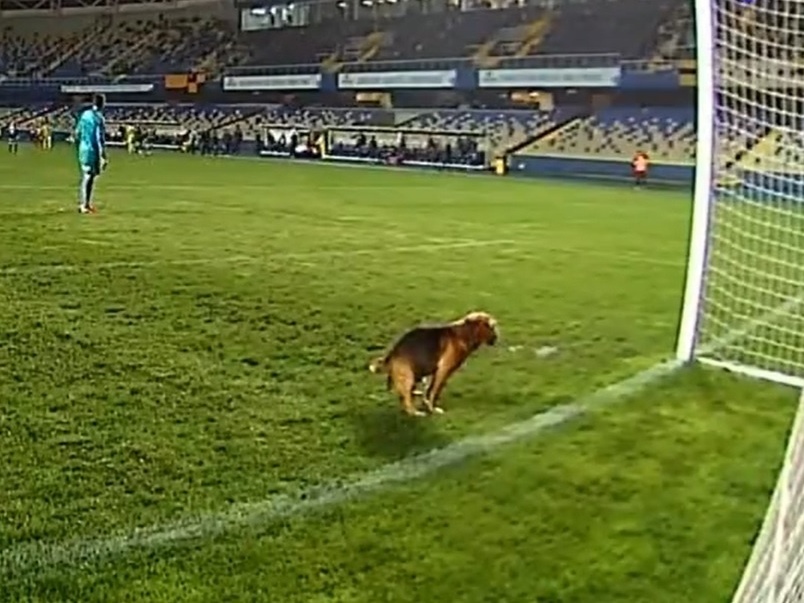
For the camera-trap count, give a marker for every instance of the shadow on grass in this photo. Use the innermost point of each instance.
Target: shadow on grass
(384, 430)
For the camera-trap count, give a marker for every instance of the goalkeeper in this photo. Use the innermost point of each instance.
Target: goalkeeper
(90, 136)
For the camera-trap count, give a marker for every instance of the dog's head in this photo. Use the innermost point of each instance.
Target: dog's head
(483, 327)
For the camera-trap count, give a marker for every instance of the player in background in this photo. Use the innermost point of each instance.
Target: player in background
(47, 136)
(639, 164)
(13, 138)
(90, 136)
(131, 139)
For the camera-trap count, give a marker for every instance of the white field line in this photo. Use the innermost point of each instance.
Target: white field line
(30, 558)
(97, 242)
(23, 560)
(272, 189)
(634, 257)
(267, 188)
(515, 247)
(436, 176)
(243, 259)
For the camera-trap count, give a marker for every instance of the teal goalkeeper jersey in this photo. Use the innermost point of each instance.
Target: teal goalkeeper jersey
(90, 132)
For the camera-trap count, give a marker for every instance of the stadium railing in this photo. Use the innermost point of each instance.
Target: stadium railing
(75, 80)
(256, 70)
(559, 61)
(647, 66)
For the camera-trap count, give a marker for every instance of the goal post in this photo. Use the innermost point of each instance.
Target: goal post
(744, 298)
(743, 306)
(702, 192)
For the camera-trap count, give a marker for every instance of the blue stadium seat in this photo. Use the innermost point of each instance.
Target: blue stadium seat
(666, 134)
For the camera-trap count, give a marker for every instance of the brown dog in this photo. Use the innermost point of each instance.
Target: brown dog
(436, 352)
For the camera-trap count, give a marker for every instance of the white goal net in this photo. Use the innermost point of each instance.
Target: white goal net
(744, 301)
(749, 313)
(775, 572)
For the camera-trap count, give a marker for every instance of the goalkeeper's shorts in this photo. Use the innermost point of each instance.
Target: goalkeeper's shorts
(90, 164)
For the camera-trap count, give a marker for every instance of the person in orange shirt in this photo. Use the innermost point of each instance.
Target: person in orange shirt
(640, 166)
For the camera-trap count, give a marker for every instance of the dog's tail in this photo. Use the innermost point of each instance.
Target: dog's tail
(379, 365)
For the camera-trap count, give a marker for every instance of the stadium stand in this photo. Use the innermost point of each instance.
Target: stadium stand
(665, 134)
(485, 35)
(300, 46)
(676, 34)
(24, 115)
(503, 129)
(453, 34)
(628, 28)
(412, 37)
(202, 117)
(36, 46)
(311, 118)
(755, 146)
(153, 44)
(8, 114)
(149, 43)
(193, 117)
(779, 151)
(181, 40)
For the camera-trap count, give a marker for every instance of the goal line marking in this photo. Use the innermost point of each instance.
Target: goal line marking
(29, 558)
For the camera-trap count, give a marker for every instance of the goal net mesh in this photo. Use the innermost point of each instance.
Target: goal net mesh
(775, 572)
(751, 307)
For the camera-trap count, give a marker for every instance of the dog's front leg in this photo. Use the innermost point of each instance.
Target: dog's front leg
(426, 384)
(436, 386)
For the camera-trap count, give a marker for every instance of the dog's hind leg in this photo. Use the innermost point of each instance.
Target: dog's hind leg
(404, 383)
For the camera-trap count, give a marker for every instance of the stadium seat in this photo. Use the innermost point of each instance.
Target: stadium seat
(188, 38)
(150, 42)
(502, 129)
(665, 134)
(628, 28)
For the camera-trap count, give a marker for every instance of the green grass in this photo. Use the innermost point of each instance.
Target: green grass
(203, 342)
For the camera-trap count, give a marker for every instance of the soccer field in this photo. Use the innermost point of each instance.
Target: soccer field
(186, 414)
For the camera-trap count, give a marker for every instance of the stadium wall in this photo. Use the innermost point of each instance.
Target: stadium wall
(591, 168)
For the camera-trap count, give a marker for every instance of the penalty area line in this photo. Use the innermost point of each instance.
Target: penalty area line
(28, 559)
